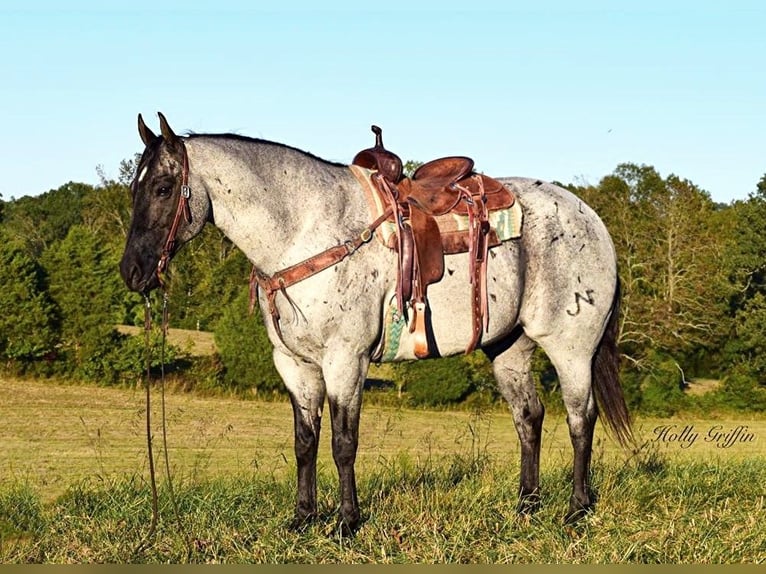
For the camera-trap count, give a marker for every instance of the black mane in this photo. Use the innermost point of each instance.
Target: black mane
(266, 142)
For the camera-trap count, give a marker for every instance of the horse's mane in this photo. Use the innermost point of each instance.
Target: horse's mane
(247, 139)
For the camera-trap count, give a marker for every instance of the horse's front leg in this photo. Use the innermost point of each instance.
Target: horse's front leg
(306, 387)
(344, 374)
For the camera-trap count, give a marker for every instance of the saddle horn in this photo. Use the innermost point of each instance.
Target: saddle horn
(379, 158)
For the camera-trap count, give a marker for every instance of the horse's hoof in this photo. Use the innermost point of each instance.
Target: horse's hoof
(301, 522)
(528, 504)
(347, 527)
(576, 515)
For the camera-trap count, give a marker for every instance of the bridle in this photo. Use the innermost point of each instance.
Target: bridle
(182, 210)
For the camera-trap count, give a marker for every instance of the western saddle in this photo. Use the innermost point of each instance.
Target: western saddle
(448, 185)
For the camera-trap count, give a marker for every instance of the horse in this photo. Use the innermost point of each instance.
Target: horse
(556, 286)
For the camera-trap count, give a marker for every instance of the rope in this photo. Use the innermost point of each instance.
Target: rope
(173, 501)
(146, 542)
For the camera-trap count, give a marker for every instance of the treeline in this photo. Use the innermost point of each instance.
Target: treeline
(693, 280)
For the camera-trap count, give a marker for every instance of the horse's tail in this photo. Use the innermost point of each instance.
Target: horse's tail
(606, 378)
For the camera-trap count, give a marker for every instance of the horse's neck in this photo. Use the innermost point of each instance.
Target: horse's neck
(277, 205)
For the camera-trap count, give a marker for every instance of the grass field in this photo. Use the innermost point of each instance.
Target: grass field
(193, 342)
(434, 486)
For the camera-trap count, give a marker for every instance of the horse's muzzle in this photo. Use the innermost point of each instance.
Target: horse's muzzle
(136, 277)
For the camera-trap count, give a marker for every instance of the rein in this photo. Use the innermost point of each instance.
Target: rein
(146, 542)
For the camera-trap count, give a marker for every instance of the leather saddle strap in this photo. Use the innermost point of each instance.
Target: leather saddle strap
(405, 244)
(281, 280)
(478, 231)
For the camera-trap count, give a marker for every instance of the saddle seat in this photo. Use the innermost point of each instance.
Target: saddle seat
(447, 185)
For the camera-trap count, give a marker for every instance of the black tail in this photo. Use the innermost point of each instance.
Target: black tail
(606, 379)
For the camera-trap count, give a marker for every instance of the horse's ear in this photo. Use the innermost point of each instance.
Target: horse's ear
(147, 135)
(167, 133)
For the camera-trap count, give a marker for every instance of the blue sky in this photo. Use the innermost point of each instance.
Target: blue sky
(554, 90)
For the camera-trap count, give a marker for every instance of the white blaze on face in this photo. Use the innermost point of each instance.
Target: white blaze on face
(143, 173)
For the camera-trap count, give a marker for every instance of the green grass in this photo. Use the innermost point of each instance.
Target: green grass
(434, 487)
(457, 511)
(198, 343)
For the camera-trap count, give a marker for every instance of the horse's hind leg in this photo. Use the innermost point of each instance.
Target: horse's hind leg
(306, 388)
(512, 370)
(575, 377)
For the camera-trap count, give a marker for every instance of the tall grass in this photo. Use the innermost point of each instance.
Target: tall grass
(434, 487)
(458, 509)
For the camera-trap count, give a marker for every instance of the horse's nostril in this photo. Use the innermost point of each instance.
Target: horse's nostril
(131, 274)
(134, 274)
(135, 277)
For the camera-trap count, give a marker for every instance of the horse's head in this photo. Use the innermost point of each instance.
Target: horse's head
(167, 212)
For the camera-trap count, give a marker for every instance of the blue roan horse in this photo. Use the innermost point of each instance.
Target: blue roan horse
(556, 287)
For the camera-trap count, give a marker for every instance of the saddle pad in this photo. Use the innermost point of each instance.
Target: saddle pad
(506, 223)
(391, 347)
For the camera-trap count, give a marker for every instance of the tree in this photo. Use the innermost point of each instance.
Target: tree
(746, 261)
(245, 349)
(748, 254)
(689, 304)
(670, 241)
(106, 212)
(38, 222)
(206, 276)
(27, 319)
(86, 289)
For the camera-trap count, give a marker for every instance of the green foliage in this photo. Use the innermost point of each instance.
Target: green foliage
(39, 222)
(657, 387)
(747, 258)
(749, 342)
(670, 241)
(204, 374)
(27, 320)
(121, 359)
(438, 382)
(245, 349)
(207, 275)
(741, 391)
(84, 286)
(748, 275)
(410, 166)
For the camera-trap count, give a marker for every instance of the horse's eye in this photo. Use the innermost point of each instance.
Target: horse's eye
(164, 191)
